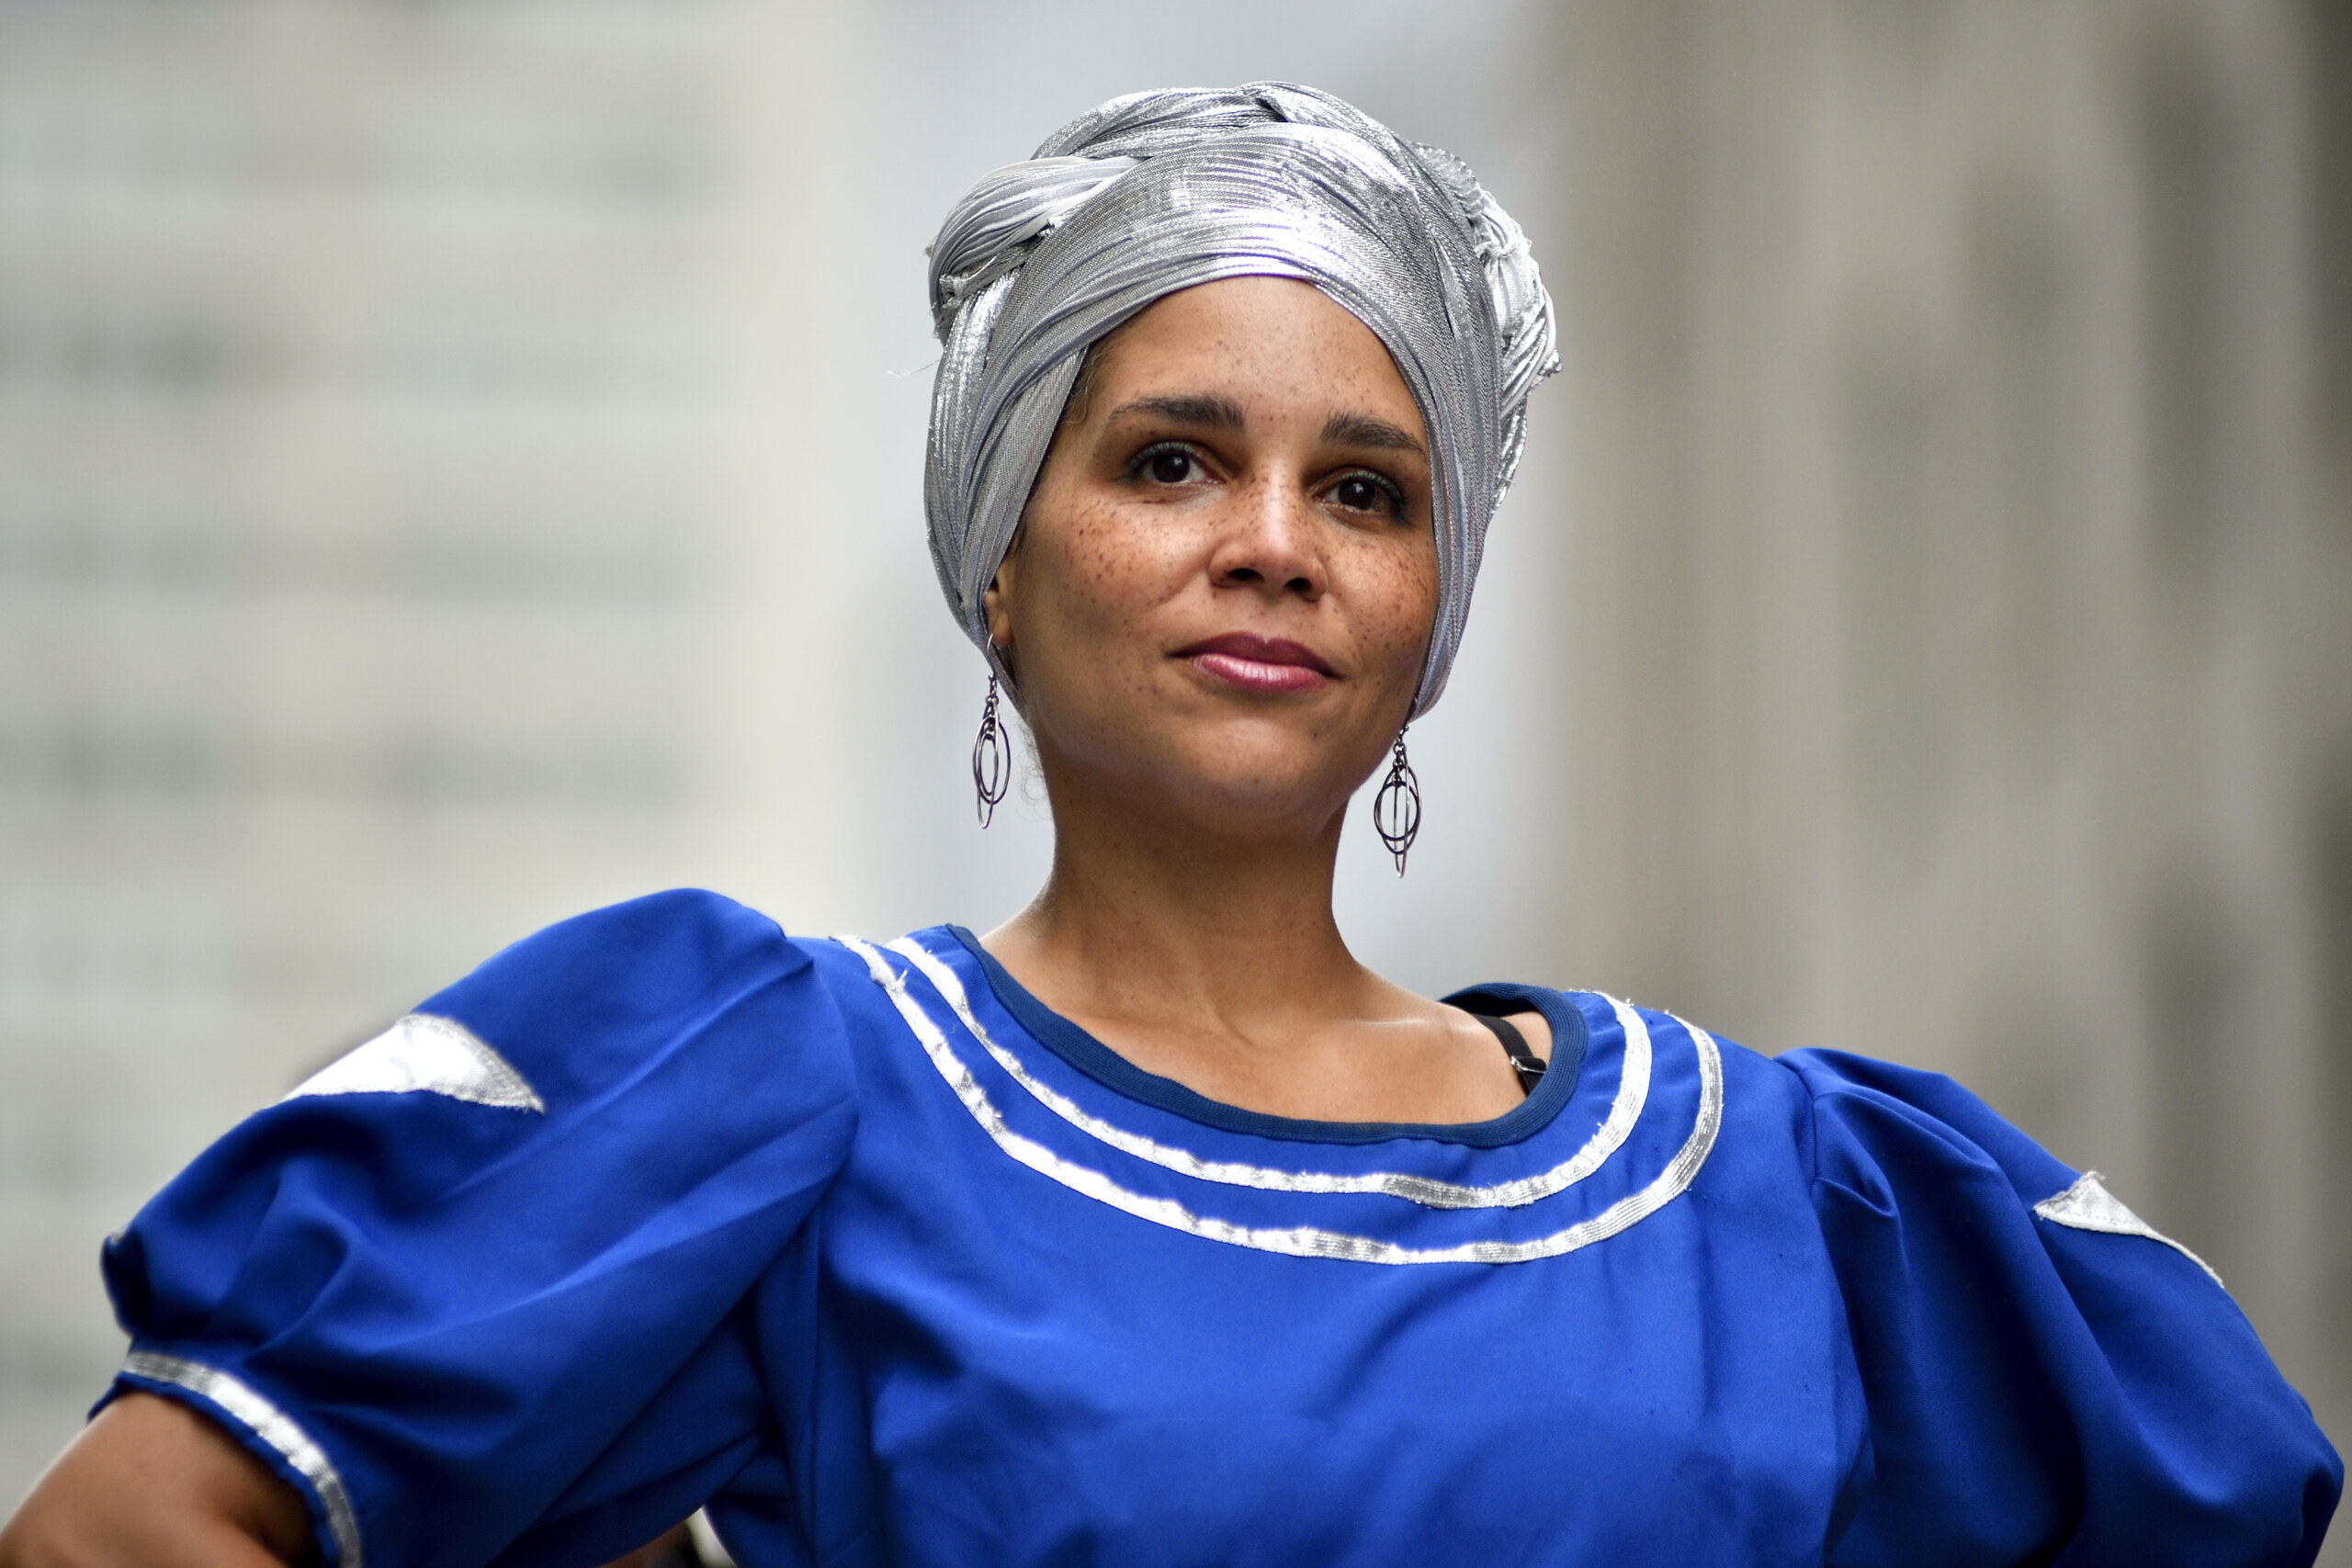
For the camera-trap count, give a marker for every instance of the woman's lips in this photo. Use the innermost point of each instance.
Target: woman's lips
(1257, 663)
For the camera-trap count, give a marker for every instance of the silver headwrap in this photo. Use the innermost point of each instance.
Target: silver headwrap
(1161, 191)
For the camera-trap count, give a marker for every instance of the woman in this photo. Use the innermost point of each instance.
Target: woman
(1151, 1227)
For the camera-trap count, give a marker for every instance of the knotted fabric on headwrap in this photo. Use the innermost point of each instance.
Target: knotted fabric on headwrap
(1161, 191)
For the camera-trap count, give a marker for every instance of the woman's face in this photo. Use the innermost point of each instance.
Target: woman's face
(1227, 575)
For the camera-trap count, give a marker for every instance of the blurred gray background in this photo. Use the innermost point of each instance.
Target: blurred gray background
(460, 464)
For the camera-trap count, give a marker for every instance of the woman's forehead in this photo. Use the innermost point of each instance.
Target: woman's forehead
(1268, 343)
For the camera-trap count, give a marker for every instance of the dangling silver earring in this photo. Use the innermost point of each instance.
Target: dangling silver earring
(1396, 810)
(991, 758)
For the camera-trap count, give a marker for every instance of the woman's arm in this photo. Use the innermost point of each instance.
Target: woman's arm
(152, 1484)
(2036, 1387)
(342, 1279)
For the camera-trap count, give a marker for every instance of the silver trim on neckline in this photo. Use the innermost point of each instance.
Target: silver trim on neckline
(1633, 1093)
(273, 1427)
(1306, 1241)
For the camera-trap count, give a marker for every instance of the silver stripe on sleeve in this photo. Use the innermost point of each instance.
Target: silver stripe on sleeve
(708, 1548)
(438, 1056)
(2087, 1205)
(273, 1427)
(1633, 1093)
(1304, 1241)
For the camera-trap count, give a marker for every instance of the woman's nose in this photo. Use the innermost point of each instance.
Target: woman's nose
(1268, 537)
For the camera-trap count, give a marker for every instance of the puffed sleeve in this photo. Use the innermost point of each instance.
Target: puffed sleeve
(480, 1289)
(2047, 1380)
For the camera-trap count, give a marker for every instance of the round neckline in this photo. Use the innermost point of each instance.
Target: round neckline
(1570, 1035)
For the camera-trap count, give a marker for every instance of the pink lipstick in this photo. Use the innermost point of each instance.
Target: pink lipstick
(1257, 663)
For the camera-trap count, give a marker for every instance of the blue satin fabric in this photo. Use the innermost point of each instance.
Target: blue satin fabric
(760, 1249)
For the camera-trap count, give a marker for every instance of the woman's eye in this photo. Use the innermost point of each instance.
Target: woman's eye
(1170, 468)
(1362, 492)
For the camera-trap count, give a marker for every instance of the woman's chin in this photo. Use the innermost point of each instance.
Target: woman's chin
(1248, 804)
(1258, 776)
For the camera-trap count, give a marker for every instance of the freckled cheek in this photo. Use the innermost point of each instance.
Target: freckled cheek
(1108, 575)
(1401, 602)
(1117, 569)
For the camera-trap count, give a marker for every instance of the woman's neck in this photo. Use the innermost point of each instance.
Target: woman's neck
(1209, 955)
(1174, 930)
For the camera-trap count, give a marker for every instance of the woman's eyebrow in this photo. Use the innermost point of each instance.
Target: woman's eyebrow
(1364, 430)
(1194, 408)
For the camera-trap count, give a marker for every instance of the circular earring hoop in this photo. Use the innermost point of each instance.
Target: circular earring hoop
(1396, 810)
(991, 759)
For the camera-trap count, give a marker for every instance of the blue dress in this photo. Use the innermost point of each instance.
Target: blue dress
(889, 1264)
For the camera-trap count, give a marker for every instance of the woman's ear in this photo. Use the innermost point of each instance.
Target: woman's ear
(994, 605)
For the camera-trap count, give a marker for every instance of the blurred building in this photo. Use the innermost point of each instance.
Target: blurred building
(394, 401)
(458, 465)
(1959, 614)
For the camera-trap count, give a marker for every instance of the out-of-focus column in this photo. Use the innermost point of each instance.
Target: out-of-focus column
(1965, 599)
(398, 408)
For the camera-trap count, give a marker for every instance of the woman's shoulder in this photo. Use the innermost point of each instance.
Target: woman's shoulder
(1836, 1120)
(683, 947)
(1867, 1115)
(684, 940)
(587, 1002)
(1836, 1107)
(1750, 1089)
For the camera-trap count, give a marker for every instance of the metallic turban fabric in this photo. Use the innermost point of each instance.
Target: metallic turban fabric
(1161, 191)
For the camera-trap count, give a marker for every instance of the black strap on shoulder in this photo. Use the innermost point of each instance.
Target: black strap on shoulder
(1524, 1062)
